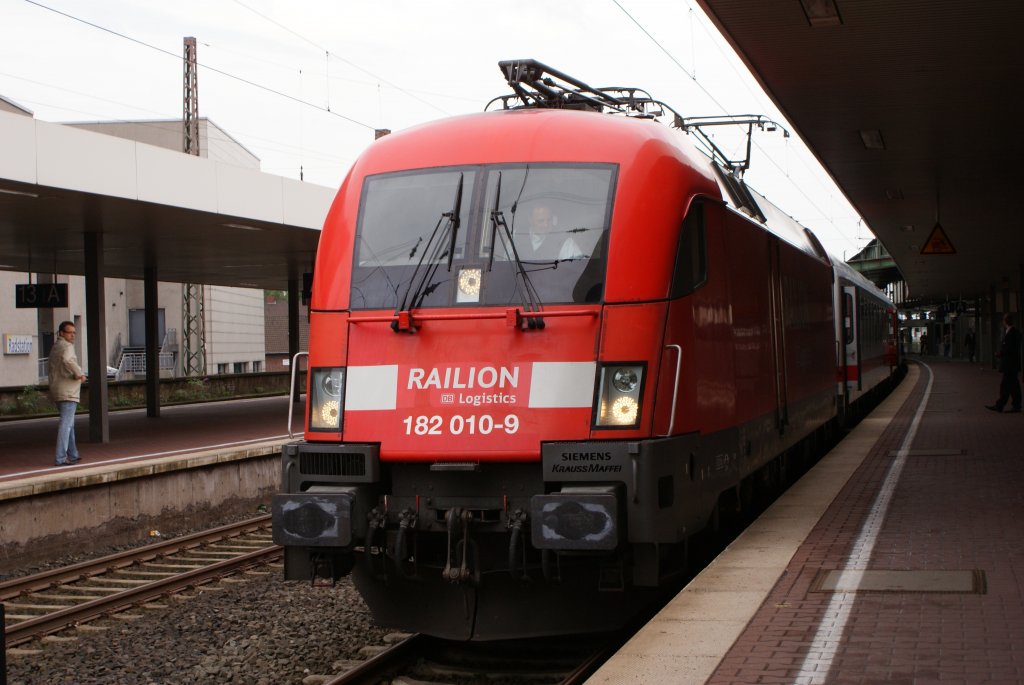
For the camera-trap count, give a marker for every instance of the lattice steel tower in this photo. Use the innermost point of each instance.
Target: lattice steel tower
(193, 320)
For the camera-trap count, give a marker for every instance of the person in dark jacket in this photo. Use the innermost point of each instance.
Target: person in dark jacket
(1009, 365)
(969, 342)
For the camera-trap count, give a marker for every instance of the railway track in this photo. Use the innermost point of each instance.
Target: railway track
(423, 660)
(48, 602)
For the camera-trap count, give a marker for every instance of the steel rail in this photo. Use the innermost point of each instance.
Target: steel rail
(371, 671)
(41, 581)
(49, 623)
(399, 656)
(581, 673)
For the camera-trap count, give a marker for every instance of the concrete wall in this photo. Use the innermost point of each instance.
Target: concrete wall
(234, 329)
(214, 142)
(168, 298)
(17, 369)
(50, 516)
(22, 369)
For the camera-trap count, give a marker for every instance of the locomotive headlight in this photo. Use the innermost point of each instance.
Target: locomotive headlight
(326, 399)
(624, 411)
(618, 397)
(329, 412)
(469, 285)
(331, 384)
(625, 379)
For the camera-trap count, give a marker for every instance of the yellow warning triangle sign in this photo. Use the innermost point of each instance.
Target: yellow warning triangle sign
(937, 242)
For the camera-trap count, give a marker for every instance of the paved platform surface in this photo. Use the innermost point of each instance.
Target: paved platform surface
(898, 559)
(27, 447)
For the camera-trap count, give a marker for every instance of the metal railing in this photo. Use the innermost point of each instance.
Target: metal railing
(170, 338)
(291, 390)
(135, 363)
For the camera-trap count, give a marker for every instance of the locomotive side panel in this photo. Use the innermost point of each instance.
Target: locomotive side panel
(808, 313)
(332, 271)
(632, 333)
(780, 329)
(747, 261)
(654, 190)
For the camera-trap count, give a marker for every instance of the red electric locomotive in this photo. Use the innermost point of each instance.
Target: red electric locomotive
(543, 342)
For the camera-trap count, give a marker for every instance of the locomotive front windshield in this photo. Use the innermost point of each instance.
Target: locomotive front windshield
(491, 235)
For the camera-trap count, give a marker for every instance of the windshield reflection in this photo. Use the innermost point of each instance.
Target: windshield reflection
(554, 217)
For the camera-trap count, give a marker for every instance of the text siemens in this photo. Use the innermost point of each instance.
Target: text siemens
(455, 377)
(586, 456)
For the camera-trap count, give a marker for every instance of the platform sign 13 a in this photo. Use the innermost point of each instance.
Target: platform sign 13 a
(40, 295)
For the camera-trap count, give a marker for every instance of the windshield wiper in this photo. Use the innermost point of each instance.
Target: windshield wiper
(455, 222)
(531, 299)
(448, 224)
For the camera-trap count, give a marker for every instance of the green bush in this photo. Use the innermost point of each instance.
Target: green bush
(124, 400)
(182, 394)
(31, 400)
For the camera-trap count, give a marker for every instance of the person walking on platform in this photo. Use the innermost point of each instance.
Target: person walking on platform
(969, 342)
(1009, 365)
(66, 378)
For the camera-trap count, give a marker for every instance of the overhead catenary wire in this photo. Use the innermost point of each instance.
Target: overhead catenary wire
(376, 83)
(213, 69)
(758, 95)
(692, 75)
(338, 57)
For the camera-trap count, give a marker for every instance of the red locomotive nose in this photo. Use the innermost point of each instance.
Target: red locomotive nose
(470, 389)
(547, 345)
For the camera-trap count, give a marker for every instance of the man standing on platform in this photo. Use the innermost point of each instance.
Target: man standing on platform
(66, 378)
(1009, 365)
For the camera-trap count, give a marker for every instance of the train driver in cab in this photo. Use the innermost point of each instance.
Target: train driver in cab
(545, 240)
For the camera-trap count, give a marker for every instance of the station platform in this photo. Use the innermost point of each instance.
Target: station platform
(181, 431)
(167, 473)
(899, 558)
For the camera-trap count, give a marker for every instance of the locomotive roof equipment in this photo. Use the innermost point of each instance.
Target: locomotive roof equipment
(538, 85)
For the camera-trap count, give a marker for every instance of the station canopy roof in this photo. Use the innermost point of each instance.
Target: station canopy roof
(912, 107)
(194, 219)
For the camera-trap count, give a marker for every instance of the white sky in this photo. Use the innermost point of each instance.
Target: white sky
(391, 64)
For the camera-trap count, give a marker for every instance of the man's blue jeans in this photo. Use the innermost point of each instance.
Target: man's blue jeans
(67, 450)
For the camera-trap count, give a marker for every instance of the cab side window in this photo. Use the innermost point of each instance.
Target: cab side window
(691, 270)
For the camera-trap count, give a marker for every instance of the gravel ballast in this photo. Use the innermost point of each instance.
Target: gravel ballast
(261, 631)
